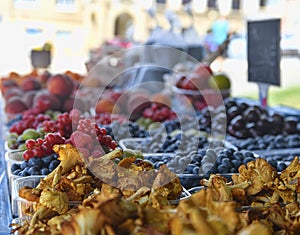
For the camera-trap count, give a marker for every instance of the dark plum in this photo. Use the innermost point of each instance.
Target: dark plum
(251, 114)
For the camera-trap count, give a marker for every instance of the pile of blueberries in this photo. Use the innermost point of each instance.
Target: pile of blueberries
(280, 161)
(159, 143)
(36, 166)
(210, 161)
(267, 142)
(126, 130)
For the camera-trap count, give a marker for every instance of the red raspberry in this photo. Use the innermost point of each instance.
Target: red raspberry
(81, 140)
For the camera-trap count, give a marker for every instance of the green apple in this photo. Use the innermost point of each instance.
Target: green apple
(219, 81)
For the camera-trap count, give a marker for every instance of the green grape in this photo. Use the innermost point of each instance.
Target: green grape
(29, 133)
(22, 146)
(11, 142)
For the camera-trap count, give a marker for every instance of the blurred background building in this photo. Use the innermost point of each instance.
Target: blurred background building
(76, 26)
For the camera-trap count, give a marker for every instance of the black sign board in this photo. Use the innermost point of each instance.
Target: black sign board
(263, 42)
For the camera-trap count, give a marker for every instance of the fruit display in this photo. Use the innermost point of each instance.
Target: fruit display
(124, 156)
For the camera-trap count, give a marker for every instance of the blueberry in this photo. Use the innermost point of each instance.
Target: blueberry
(222, 155)
(33, 169)
(236, 163)
(197, 157)
(201, 152)
(238, 155)
(219, 161)
(226, 162)
(47, 159)
(16, 172)
(281, 166)
(222, 169)
(247, 159)
(190, 168)
(227, 153)
(252, 147)
(23, 173)
(273, 163)
(23, 165)
(249, 154)
(53, 164)
(196, 170)
(233, 170)
(261, 146)
(15, 167)
(35, 161)
(166, 158)
(54, 155)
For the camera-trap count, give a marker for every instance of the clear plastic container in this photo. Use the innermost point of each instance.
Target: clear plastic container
(20, 206)
(12, 157)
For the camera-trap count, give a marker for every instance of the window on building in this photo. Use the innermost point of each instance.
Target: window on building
(262, 3)
(212, 3)
(27, 4)
(63, 33)
(186, 2)
(33, 31)
(66, 5)
(236, 4)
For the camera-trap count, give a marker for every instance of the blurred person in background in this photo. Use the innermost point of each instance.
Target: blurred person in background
(220, 32)
(209, 42)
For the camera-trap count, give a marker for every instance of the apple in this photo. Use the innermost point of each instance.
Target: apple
(60, 85)
(195, 82)
(203, 70)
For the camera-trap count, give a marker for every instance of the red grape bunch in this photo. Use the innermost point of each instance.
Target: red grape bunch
(90, 139)
(159, 113)
(29, 121)
(42, 147)
(63, 123)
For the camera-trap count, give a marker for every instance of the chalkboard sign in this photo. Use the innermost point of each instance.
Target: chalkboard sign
(264, 51)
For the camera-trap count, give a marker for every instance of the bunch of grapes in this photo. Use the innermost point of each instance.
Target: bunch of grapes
(87, 126)
(29, 121)
(159, 113)
(42, 147)
(63, 123)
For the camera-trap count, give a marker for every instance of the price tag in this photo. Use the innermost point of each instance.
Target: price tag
(264, 54)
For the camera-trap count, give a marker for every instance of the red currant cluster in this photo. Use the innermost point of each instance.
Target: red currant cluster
(42, 147)
(29, 121)
(159, 113)
(63, 123)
